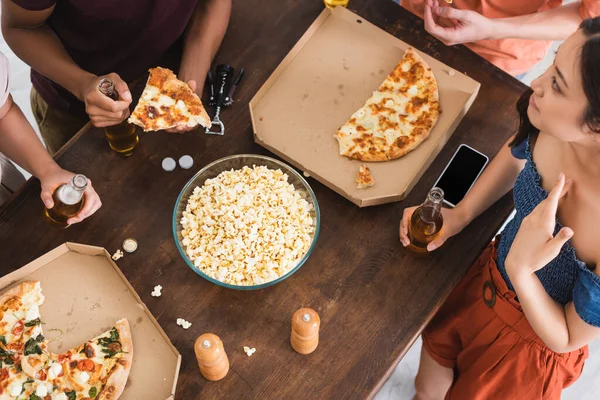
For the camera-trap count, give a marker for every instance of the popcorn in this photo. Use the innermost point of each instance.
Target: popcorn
(183, 323)
(118, 254)
(247, 227)
(156, 292)
(249, 351)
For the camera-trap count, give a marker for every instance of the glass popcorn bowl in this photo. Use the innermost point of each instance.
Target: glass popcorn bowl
(237, 162)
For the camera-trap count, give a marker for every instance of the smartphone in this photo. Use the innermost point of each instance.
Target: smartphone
(461, 173)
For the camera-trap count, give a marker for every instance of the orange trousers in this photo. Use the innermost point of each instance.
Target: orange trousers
(482, 333)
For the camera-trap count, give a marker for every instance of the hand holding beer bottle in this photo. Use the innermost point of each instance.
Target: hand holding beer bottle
(105, 110)
(52, 180)
(454, 221)
(107, 104)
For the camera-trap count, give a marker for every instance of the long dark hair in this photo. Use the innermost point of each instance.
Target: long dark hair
(590, 74)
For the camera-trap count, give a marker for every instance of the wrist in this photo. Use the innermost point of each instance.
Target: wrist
(82, 84)
(517, 273)
(48, 169)
(500, 28)
(464, 215)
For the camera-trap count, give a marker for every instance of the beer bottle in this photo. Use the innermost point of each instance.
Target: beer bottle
(122, 137)
(426, 221)
(68, 200)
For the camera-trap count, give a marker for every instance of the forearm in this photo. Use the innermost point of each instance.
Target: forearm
(42, 50)
(19, 142)
(497, 180)
(546, 317)
(555, 24)
(203, 38)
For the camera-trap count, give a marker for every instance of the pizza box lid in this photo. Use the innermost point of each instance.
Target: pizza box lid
(326, 77)
(85, 294)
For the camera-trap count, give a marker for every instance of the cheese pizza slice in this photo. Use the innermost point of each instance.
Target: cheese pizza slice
(397, 118)
(167, 103)
(364, 179)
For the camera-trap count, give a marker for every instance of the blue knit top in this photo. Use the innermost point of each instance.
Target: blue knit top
(566, 278)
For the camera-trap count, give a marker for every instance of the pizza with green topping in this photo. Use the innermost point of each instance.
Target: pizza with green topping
(97, 369)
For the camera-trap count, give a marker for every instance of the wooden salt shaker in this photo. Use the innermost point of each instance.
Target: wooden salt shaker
(211, 356)
(305, 330)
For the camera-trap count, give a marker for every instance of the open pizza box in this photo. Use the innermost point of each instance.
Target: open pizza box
(326, 77)
(86, 294)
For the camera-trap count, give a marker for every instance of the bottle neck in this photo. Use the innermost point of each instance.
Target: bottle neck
(72, 192)
(107, 88)
(432, 207)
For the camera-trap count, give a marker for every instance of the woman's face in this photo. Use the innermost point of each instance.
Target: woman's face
(558, 102)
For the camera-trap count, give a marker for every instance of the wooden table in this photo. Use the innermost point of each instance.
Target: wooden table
(373, 296)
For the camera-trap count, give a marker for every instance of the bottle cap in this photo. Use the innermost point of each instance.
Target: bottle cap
(168, 164)
(130, 245)
(186, 162)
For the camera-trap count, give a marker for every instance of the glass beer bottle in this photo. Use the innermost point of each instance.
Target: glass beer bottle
(68, 200)
(426, 221)
(122, 137)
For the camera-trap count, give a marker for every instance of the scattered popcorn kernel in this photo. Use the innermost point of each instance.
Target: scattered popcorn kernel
(118, 254)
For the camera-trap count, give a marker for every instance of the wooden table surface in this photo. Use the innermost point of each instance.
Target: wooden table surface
(373, 296)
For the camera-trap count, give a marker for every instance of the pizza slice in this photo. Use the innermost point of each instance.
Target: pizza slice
(364, 177)
(97, 369)
(397, 118)
(167, 103)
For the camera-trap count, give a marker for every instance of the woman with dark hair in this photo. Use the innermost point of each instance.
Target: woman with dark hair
(518, 324)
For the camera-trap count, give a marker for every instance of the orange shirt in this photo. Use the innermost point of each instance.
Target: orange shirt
(515, 56)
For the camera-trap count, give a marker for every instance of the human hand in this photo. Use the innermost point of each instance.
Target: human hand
(56, 177)
(185, 128)
(453, 26)
(454, 222)
(535, 245)
(104, 111)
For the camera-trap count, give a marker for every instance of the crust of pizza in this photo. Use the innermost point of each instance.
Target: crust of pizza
(117, 379)
(168, 102)
(364, 177)
(20, 290)
(397, 118)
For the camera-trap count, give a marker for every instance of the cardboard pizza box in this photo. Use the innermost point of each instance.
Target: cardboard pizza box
(85, 294)
(326, 77)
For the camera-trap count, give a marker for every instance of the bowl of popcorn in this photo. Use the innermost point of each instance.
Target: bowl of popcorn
(246, 222)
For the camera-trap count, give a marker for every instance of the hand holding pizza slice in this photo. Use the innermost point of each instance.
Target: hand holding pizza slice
(168, 103)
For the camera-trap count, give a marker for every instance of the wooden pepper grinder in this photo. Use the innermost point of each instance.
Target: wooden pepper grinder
(211, 356)
(305, 330)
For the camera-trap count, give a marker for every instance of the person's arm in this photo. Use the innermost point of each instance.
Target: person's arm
(37, 45)
(454, 26)
(19, 142)
(203, 37)
(535, 245)
(497, 180)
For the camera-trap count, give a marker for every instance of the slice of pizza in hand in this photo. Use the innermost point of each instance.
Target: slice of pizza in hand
(364, 177)
(167, 103)
(397, 118)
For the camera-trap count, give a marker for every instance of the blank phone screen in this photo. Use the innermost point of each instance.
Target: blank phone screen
(461, 173)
